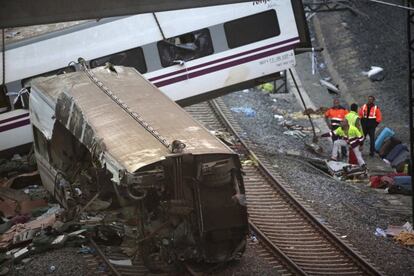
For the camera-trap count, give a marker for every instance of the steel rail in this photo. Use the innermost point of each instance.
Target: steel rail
(346, 251)
(104, 258)
(295, 269)
(342, 259)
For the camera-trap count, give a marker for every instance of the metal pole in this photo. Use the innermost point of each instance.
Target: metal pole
(315, 138)
(410, 16)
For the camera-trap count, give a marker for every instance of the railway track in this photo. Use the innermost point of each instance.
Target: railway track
(288, 230)
(291, 238)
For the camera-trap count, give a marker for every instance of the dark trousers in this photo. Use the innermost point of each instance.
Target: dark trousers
(369, 129)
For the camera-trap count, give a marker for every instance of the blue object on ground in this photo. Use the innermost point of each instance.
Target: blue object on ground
(404, 182)
(401, 185)
(395, 152)
(402, 157)
(248, 111)
(385, 133)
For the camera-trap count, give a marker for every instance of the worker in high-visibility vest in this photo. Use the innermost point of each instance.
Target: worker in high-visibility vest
(347, 135)
(335, 115)
(353, 120)
(370, 115)
(353, 117)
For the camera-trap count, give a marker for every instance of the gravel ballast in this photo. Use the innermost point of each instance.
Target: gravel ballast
(350, 208)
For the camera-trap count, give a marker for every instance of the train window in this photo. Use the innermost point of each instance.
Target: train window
(185, 47)
(132, 58)
(251, 28)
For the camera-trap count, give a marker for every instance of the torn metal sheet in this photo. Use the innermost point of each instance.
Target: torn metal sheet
(116, 137)
(76, 99)
(7, 183)
(395, 230)
(126, 262)
(44, 117)
(23, 232)
(344, 170)
(14, 202)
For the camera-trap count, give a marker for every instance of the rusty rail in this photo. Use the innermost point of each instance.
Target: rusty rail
(291, 238)
(283, 223)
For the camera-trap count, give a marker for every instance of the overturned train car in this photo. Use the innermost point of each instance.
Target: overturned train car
(108, 132)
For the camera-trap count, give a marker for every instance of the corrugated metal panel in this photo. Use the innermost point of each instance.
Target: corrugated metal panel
(119, 134)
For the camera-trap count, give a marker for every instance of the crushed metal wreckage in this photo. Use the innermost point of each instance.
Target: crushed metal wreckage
(343, 170)
(339, 170)
(172, 180)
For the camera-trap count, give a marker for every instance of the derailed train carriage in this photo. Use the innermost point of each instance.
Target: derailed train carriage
(111, 133)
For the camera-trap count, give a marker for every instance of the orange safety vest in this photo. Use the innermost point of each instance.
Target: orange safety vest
(374, 113)
(336, 115)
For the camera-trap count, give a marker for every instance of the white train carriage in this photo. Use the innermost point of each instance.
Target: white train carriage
(190, 55)
(185, 53)
(118, 136)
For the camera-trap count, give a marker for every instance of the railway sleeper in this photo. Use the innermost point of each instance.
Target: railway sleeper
(298, 243)
(297, 226)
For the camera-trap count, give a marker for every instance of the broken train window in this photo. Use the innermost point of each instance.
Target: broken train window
(185, 47)
(131, 58)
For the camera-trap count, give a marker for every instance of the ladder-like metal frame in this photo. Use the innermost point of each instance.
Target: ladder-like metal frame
(325, 5)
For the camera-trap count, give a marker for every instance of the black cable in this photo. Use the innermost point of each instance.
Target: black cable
(3, 51)
(159, 26)
(3, 88)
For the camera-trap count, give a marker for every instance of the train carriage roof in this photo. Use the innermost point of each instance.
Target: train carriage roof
(94, 118)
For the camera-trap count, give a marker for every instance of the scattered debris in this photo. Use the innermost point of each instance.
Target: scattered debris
(405, 238)
(247, 111)
(295, 133)
(314, 147)
(253, 238)
(292, 126)
(247, 162)
(401, 185)
(86, 250)
(278, 117)
(225, 137)
(320, 111)
(333, 89)
(376, 73)
(293, 153)
(395, 230)
(343, 170)
(11, 34)
(380, 232)
(52, 268)
(24, 232)
(126, 262)
(383, 181)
